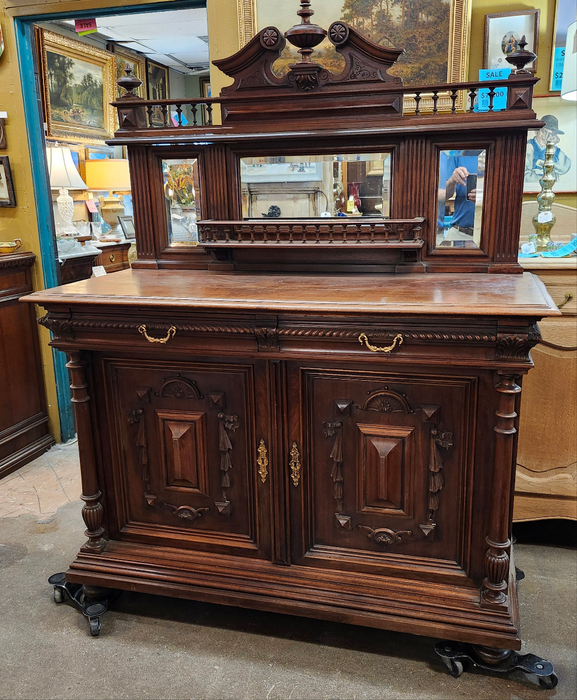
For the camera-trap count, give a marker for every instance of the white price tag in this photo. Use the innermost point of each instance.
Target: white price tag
(544, 217)
(98, 271)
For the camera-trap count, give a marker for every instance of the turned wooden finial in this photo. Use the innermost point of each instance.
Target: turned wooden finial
(305, 36)
(129, 83)
(521, 58)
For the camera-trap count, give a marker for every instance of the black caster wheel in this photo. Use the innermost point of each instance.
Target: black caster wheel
(548, 682)
(58, 595)
(455, 668)
(95, 625)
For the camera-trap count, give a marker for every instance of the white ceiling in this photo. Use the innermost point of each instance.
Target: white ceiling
(175, 38)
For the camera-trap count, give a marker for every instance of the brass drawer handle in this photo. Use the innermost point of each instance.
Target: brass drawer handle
(295, 464)
(171, 333)
(111, 257)
(398, 340)
(568, 297)
(262, 461)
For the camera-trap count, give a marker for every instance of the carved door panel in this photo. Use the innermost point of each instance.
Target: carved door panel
(385, 470)
(185, 455)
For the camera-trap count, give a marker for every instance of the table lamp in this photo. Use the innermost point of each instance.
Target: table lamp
(569, 84)
(109, 174)
(64, 177)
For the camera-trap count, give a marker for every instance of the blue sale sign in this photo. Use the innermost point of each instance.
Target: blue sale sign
(500, 96)
(557, 70)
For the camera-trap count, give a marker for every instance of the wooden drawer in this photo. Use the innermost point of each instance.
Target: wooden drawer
(562, 286)
(114, 257)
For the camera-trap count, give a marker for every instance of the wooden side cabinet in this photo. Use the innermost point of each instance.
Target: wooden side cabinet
(23, 419)
(546, 484)
(114, 256)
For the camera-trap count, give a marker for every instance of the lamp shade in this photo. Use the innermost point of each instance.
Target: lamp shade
(569, 84)
(108, 174)
(63, 173)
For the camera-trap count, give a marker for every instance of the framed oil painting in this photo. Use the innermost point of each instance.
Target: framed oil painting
(7, 196)
(77, 88)
(157, 88)
(560, 129)
(137, 62)
(503, 32)
(434, 35)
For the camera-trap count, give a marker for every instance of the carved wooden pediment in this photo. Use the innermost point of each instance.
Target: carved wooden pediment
(365, 61)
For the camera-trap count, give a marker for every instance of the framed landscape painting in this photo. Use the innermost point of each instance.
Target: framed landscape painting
(123, 58)
(434, 33)
(77, 88)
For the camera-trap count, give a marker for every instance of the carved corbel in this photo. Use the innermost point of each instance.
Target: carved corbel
(61, 328)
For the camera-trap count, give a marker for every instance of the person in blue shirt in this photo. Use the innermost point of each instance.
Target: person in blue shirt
(455, 168)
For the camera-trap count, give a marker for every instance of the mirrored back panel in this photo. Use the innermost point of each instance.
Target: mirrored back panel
(310, 187)
(460, 198)
(181, 197)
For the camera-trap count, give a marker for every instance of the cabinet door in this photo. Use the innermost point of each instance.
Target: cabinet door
(185, 453)
(385, 470)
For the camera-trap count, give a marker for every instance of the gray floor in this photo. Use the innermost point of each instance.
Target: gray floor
(153, 647)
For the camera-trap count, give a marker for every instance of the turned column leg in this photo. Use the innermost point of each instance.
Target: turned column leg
(495, 584)
(92, 512)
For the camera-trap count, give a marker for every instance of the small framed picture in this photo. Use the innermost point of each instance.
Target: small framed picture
(504, 31)
(127, 226)
(3, 143)
(7, 197)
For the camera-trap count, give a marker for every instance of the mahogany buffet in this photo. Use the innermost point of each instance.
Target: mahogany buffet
(314, 410)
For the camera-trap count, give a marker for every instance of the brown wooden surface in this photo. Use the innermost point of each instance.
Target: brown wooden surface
(448, 294)
(23, 419)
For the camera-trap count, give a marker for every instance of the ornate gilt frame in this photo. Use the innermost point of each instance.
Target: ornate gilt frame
(458, 52)
(48, 41)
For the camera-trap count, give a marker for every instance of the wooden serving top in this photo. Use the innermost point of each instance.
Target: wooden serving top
(438, 294)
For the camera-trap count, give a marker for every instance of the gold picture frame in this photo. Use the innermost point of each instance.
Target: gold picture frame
(137, 61)
(457, 54)
(77, 83)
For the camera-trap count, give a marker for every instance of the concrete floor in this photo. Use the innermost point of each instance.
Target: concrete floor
(153, 647)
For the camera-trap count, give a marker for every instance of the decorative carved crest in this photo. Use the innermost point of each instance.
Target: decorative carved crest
(365, 61)
(180, 388)
(387, 401)
(384, 536)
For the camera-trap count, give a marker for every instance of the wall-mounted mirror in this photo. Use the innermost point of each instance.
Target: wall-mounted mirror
(310, 187)
(181, 196)
(460, 198)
